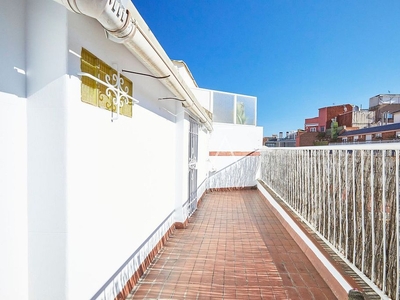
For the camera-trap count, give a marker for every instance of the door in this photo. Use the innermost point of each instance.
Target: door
(193, 155)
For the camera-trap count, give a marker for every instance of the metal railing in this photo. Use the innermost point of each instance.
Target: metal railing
(349, 195)
(240, 174)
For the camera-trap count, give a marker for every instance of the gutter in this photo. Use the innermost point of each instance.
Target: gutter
(125, 26)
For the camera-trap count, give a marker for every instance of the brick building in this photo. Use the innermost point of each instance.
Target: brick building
(325, 116)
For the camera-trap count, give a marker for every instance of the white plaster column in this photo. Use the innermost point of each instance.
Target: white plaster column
(182, 150)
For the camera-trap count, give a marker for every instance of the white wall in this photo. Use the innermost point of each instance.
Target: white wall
(12, 50)
(13, 200)
(204, 97)
(120, 188)
(47, 197)
(13, 154)
(96, 189)
(233, 138)
(46, 115)
(203, 165)
(396, 117)
(121, 175)
(78, 194)
(181, 165)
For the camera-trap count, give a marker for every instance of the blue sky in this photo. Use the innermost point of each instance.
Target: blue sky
(295, 56)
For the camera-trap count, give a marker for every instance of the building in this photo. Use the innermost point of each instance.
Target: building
(382, 121)
(389, 132)
(325, 116)
(280, 141)
(312, 125)
(235, 132)
(383, 106)
(356, 118)
(104, 144)
(383, 99)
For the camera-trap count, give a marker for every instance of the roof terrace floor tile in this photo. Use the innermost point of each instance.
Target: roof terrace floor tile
(233, 248)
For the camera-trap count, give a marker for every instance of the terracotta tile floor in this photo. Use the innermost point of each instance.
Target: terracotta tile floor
(233, 248)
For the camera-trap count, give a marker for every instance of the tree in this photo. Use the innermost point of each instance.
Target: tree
(240, 113)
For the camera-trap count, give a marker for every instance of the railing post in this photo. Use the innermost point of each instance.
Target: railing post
(383, 178)
(340, 201)
(372, 218)
(362, 213)
(397, 182)
(354, 211)
(346, 248)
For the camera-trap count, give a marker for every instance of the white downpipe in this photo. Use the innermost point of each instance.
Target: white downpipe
(114, 17)
(120, 27)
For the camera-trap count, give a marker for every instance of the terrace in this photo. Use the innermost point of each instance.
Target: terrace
(322, 221)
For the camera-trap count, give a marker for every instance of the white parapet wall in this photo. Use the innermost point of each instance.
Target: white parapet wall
(230, 142)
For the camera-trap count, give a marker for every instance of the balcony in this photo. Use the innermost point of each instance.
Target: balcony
(322, 221)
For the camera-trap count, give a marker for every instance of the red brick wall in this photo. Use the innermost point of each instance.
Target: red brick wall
(345, 119)
(328, 113)
(306, 139)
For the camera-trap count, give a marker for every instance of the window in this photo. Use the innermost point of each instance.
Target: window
(95, 93)
(322, 129)
(313, 129)
(245, 110)
(234, 109)
(223, 107)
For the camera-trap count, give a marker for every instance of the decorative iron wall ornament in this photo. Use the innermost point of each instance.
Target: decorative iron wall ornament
(117, 92)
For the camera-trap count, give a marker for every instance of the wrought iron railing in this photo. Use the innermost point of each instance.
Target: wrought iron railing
(349, 195)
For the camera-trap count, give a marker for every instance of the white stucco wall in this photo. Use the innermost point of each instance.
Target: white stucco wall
(203, 165)
(120, 188)
(204, 97)
(121, 175)
(46, 131)
(233, 138)
(12, 50)
(13, 198)
(396, 117)
(13, 154)
(79, 193)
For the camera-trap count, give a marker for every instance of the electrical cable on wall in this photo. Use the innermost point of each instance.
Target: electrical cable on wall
(144, 74)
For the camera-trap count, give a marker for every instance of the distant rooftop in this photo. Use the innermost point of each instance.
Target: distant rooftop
(383, 128)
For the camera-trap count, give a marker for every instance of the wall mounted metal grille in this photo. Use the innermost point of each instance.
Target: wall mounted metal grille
(101, 95)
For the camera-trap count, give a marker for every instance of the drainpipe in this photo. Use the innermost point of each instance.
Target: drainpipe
(120, 27)
(115, 19)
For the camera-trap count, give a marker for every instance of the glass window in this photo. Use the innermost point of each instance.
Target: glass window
(245, 110)
(223, 107)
